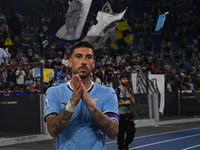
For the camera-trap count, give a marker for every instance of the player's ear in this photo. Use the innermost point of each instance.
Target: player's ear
(70, 62)
(93, 64)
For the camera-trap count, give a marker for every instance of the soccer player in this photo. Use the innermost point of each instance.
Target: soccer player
(79, 113)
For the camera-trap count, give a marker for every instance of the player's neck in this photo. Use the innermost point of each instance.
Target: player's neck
(87, 83)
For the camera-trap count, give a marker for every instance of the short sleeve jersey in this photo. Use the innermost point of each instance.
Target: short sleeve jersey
(81, 132)
(3, 55)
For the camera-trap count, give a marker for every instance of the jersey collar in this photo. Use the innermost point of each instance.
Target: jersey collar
(90, 88)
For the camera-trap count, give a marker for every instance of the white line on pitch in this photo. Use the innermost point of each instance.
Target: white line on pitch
(163, 133)
(164, 141)
(157, 134)
(191, 147)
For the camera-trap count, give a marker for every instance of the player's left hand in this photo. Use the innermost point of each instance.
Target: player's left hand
(85, 97)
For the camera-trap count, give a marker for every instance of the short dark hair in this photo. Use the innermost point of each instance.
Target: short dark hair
(123, 76)
(80, 44)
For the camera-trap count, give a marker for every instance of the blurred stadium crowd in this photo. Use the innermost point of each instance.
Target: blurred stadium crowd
(173, 51)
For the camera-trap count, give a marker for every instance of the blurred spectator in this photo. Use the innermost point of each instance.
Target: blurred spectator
(13, 61)
(186, 85)
(65, 62)
(19, 54)
(11, 77)
(68, 74)
(35, 56)
(29, 82)
(191, 84)
(98, 63)
(168, 86)
(20, 77)
(118, 59)
(96, 79)
(16, 89)
(108, 74)
(37, 87)
(57, 64)
(24, 58)
(21, 61)
(99, 73)
(35, 72)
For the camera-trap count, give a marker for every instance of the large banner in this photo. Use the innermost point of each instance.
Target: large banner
(59, 76)
(123, 35)
(75, 20)
(159, 81)
(27, 39)
(99, 33)
(156, 85)
(48, 74)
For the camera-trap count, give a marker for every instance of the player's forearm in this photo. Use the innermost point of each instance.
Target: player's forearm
(6, 61)
(122, 103)
(56, 123)
(132, 100)
(108, 125)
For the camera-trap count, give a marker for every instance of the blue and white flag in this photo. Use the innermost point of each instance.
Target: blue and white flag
(27, 39)
(75, 20)
(59, 76)
(45, 43)
(161, 21)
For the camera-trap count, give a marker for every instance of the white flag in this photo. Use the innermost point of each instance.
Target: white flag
(104, 20)
(75, 20)
(99, 33)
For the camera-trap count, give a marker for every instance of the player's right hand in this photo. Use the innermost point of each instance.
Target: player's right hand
(77, 89)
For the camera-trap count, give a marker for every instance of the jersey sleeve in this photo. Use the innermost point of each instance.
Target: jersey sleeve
(51, 102)
(111, 104)
(5, 55)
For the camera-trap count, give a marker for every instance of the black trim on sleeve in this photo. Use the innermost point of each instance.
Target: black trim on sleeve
(49, 114)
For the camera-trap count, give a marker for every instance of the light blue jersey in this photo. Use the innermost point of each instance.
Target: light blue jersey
(81, 132)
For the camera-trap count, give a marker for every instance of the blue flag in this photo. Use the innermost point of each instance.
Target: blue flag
(59, 76)
(161, 21)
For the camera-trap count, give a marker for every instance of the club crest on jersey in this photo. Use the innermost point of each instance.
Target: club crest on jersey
(96, 99)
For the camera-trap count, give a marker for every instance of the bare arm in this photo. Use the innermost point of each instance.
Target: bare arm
(128, 95)
(132, 100)
(57, 122)
(6, 61)
(108, 125)
(127, 102)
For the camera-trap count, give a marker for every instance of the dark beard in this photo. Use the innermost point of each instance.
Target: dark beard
(82, 76)
(124, 84)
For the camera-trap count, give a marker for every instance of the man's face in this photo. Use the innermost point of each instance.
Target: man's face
(124, 81)
(82, 61)
(58, 59)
